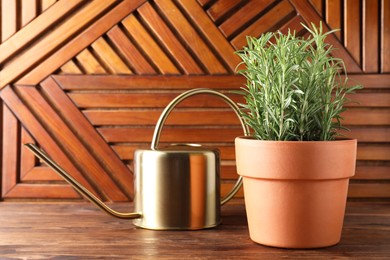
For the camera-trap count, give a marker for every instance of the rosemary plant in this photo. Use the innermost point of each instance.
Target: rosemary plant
(294, 89)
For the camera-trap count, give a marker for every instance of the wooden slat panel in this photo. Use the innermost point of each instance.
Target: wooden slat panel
(204, 2)
(221, 8)
(29, 11)
(9, 19)
(167, 37)
(92, 141)
(369, 190)
(191, 37)
(80, 41)
(41, 135)
(360, 116)
(88, 63)
(10, 151)
(142, 100)
(370, 28)
(241, 17)
(130, 52)
(52, 41)
(370, 81)
(306, 10)
(370, 100)
(210, 32)
(71, 143)
(70, 68)
(373, 152)
(265, 23)
(319, 6)
(369, 134)
(53, 191)
(295, 24)
(352, 28)
(334, 15)
(45, 4)
(149, 82)
(110, 58)
(149, 117)
(352, 117)
(36, 27)
(42, 174)
(28, 160)
(385, 36)
(372, 171)
(144, 40)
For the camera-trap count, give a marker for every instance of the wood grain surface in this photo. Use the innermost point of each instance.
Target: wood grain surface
(81, 231)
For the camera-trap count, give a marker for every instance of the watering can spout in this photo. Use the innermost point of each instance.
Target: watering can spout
(76, 185)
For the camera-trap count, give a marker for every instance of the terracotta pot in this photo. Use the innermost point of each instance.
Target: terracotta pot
(295, 192)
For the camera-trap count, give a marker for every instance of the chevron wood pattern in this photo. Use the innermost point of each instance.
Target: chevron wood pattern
(87, 81)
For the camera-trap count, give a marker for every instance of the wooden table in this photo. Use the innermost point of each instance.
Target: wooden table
(78, 230)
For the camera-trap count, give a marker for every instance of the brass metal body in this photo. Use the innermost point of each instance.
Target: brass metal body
(176, 187)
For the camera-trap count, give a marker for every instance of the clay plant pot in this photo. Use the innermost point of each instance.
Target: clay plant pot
(295, 192)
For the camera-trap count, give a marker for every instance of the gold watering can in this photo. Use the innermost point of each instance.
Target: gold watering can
(176, 187)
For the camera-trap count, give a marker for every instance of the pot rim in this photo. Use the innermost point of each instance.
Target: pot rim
(251, 139)
(295, 160)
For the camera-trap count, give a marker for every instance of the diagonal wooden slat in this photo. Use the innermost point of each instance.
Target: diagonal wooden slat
(112, 61)
(93, 142)
(80, 41)
(88, 63)
(217, 41)
(284, 10)
(36, 27)
(28, 160)
(130, 52)
(27, 118)
(191, 37)
(295, 24)
(169, 40)
(232, 25)
(221, 8)
(70, 142)
(147, 43)
(70, 68)
(64, 32)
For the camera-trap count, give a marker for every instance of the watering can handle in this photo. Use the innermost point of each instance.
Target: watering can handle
(180, 98)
